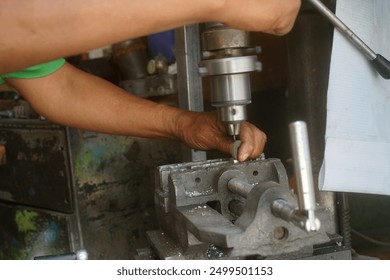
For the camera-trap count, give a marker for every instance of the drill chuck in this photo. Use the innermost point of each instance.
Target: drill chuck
(228, 60)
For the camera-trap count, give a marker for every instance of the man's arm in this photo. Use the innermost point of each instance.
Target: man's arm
(37, 31)
(74, 98)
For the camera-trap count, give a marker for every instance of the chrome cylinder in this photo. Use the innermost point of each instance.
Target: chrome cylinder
(302, 165)
(303, 172)
(228, 59)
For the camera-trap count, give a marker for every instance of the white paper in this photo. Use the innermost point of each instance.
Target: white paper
(357, 151)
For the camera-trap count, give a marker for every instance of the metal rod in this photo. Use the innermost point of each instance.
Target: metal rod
(303, 172)
(239, 187)
(380, 63)
(280, 208)
(302, 165)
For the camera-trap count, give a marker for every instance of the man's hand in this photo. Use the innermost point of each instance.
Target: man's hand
(203, 131)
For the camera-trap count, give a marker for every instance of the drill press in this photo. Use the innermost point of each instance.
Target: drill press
(228, 59)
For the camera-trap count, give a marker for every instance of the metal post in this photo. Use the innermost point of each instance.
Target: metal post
(189, 81)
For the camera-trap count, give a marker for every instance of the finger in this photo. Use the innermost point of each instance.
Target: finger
(253, 142)
(259, 144)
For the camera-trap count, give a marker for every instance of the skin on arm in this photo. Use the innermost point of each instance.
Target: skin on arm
(77, 99)
(37, 31)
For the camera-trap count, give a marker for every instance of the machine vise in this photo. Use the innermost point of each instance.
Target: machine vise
(222, 209)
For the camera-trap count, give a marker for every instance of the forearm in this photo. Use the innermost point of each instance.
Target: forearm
(36, 31)
(77, 99)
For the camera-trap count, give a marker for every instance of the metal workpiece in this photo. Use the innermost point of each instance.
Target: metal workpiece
(227, 206)
(228, 60)
(236, 146)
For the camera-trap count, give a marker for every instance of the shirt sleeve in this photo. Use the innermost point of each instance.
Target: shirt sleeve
(36, 71)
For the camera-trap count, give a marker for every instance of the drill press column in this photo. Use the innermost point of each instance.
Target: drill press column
(228, 59)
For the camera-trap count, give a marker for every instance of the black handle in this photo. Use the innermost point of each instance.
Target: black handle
(382, 65)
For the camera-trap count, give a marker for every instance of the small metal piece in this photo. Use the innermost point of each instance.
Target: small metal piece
(236, 146)
(262, 156)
